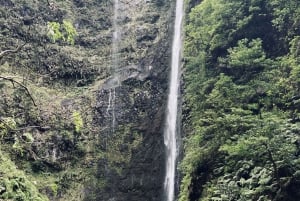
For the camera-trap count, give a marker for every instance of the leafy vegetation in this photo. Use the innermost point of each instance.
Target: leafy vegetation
(43, 140)
(241, 111)
(14, 185)
(64, 31)
(77, 121)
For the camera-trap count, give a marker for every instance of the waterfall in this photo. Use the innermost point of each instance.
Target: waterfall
(115, 41)
(171, 117)
(116, 37)
(110, 111)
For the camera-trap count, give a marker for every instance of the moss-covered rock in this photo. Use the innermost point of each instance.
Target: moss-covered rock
(76, 132)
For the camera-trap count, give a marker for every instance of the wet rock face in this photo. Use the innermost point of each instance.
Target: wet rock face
(135, 108)
(126, 81)
(138, 109)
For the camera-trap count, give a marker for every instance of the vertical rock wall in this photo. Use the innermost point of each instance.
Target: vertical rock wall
(119, 154)
(133, 113)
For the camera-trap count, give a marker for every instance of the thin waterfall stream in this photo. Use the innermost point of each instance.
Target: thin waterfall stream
(170, 133)
(115, 40)
(110, 111)
(114, 64)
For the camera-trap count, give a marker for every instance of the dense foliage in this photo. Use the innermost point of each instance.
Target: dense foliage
(14, 185)
(241, 112)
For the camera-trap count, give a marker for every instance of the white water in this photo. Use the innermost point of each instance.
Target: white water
(114, 65)
(171, 119)
(115, 40)
(110, 111)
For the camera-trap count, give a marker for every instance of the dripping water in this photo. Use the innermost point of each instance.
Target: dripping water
(113, 110)
(114, 65)
(172, 108)
(115, 41)
(110, 111)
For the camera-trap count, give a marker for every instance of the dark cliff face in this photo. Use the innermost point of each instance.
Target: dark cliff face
(135, 109)
(138, 173)
(118, 154)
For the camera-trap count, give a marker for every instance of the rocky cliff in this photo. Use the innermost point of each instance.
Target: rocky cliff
(83, 116)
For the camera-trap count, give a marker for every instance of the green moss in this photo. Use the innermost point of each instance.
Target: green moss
(77, 121)
(119, 147)
(54, 188)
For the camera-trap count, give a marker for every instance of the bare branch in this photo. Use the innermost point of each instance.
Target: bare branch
(5, 52)
(43, 128)
(22, 85)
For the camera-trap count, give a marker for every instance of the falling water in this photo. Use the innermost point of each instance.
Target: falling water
(109, 102)
(110, 111)
(171, 119)
(115, 41)
(114, 65)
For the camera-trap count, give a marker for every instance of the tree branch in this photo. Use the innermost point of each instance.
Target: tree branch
(22, 85)
(275, 168)
(5, 52)
(43, 128)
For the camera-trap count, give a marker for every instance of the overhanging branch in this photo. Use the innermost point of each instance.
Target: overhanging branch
(20, 84)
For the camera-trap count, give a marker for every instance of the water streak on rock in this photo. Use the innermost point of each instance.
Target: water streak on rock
(110, 111)
(114, 65)
(115, 41)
